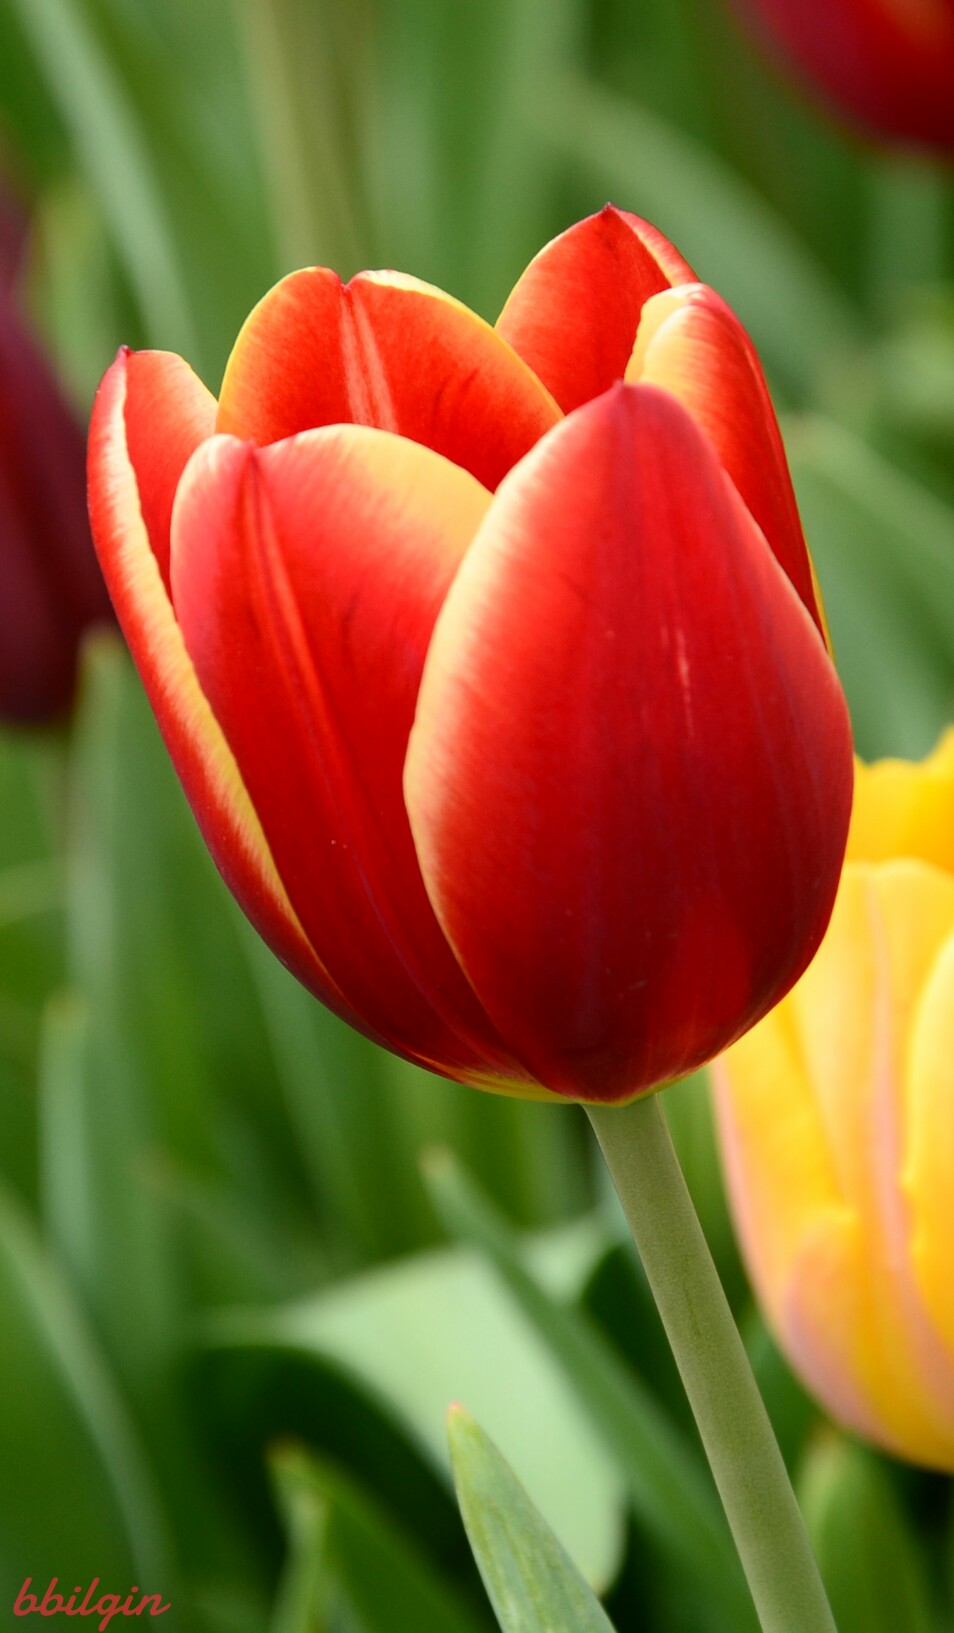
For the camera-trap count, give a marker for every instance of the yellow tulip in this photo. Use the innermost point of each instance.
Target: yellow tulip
(836, 1120)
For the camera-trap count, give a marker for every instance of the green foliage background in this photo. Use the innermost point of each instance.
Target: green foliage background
(232, 1310)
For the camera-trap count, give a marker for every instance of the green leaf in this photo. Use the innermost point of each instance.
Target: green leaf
(418, 1334)
(76, 1498)
(884, 549)
(530, 1579)
(304, 58)
(347, 1556)
(462, 182)
(671, 1492)
(866, 1549)
(105, 131)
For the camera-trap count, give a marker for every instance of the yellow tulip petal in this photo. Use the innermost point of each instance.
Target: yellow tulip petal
(826, 1170)
(929, 1171)
(905, 808)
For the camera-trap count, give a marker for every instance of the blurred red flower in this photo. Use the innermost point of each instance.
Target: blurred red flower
(491, 659)
(886, 63)
(50, 586)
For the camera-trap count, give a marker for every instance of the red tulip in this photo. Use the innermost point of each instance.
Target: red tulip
(496, 683)
(50, 585)
(886, 63)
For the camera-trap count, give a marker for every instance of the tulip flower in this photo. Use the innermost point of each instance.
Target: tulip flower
(888, 64)
(491, 659)
(50, 586)
(836, 1115)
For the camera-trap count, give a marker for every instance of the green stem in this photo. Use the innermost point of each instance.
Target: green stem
(740, 1444)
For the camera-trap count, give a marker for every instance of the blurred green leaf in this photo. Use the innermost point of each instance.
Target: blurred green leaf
(462, 181)
(866, 1550)
(302, 1601)
(346, 1116)
(80, 301)
(76, 1498)
(105, 130)
(303, 60)
(531, 1581)
(181, 66)
(361, 1118)
(669, 1487)
(477, 1345)
(346, 1557)
(884, 549)
(906, 247)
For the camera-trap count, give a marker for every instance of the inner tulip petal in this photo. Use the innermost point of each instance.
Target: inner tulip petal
(307, 577)
(621, 694)
(692, 344)
(168, 412)
(385, 351)
(573, 314)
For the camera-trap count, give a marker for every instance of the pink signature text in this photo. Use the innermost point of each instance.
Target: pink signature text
(106, 1606)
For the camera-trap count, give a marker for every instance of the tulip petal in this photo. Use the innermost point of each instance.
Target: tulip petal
(929, 1171)
(307, 577)
(573, 314)
(630, 750)
(905, 808)
(827, 1139)
(387, 351)
(168, 412)
(692, 344)
(162, 384)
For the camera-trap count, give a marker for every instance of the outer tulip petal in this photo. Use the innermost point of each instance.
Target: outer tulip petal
(199, 752)
(621, 671)
(386, 351)
(929, 1171)
(307, 577)
(826, 1146)
(905, 809)
(574, 313)
(692, 344)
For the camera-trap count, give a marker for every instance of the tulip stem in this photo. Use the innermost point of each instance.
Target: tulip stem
(740, 1444)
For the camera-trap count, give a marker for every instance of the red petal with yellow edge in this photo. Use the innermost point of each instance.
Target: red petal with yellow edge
(385, 351)
(574, 313)
(159, 390)
(307, 577)
(629, 778)
(168, 412)
(691, 343)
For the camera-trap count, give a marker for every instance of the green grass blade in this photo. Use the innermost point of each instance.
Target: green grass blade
(111, 147)
(531, 1581)
(345, 1553)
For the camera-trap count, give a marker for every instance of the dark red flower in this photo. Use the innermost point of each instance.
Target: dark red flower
(888, 64)
(50, 586)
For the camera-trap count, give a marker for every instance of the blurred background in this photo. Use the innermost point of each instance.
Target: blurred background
(240, 1276)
